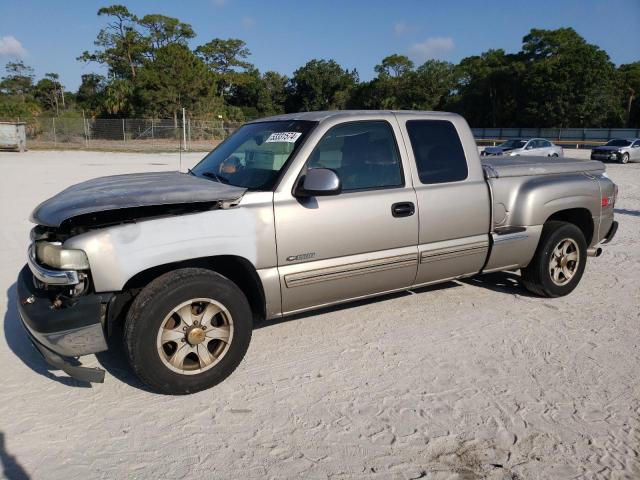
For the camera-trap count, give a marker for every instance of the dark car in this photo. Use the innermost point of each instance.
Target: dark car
(619, 149)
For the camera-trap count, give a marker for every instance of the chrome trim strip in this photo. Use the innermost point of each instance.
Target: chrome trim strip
(453, 252)
(50, 277)
(509, 237)
(349, 270)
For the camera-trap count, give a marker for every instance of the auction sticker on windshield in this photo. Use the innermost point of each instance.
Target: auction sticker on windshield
(288, 137)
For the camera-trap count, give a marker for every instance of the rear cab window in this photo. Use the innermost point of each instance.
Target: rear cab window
(438, 151)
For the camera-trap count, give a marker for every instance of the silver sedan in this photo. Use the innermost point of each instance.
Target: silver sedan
(618, 149)
(539, 147)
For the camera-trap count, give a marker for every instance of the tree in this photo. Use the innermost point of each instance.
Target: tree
(394, 66)
(568, 82)
(227, 60)
(16, 92)
(163, 30)
(429, 86)
(118, 97)
(488, 88)
(260, 95)
(18, 81)
(320, 85)
(175, 79)
(91, 93)
(49, 92)
(120, 45)
(629, 77)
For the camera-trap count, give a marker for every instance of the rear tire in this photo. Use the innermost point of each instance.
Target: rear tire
(187, 331)
(559, 261)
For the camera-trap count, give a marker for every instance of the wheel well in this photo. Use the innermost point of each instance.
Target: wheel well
(237, 269)
(580, 217)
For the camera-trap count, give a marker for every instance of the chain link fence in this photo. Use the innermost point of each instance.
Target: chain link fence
(138, 134)
(132, 134)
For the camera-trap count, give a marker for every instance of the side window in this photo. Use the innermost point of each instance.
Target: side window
(636, 143)
(363, 154)
(437, 150)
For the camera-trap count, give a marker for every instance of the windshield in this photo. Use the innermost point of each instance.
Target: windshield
(514, 143)
(618, 143)
(255, 154)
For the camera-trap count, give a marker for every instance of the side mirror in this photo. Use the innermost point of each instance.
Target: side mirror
(319, 182)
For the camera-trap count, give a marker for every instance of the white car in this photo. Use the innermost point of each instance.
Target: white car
(538, 147)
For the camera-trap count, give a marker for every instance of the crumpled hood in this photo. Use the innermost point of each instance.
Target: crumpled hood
(119, 192)
(608, 148)
(498, 150)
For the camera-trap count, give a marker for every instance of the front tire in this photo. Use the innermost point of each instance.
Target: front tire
(559, 261)
(187, 331)
(624, 158)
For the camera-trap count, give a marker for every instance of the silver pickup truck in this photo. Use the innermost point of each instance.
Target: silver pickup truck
(292, 213)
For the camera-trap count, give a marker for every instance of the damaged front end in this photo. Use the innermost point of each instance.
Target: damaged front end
(61, 314)
(62, 311)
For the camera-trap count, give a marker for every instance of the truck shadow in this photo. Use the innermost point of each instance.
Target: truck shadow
(11, 469)
(356, 303)
(502, 282)
(114, 361)
(626, 211)
(21, 346)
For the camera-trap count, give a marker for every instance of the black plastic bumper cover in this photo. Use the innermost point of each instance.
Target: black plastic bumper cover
(611, 233)
(84, 374)
(61, 335)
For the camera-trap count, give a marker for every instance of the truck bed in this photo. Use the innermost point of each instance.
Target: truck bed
(522, 166)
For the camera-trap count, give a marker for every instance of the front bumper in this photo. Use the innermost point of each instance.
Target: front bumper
(61, 334)
(604, 156)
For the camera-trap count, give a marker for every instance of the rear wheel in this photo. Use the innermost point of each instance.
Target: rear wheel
(559, 261)
(187, 331)
(624, 158)
(554, 155)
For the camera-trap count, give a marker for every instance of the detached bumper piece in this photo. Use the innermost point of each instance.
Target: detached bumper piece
(84, 374)
(64, 333)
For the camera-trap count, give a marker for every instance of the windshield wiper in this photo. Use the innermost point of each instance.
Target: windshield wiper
(217, 178)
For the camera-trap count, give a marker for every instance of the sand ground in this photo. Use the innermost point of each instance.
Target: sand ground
(470, 379)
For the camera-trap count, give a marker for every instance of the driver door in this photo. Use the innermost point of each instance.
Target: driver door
(360, 242)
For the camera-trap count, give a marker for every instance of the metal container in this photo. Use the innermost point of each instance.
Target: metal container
(13, 136)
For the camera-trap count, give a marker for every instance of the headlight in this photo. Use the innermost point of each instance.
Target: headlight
(53, 255)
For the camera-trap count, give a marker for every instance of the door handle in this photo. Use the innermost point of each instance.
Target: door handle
(403, 209)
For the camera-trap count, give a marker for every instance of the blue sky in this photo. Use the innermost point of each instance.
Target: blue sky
(283, 35)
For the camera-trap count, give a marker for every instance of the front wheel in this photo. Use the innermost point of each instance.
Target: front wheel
(624, 158)
(187, 331)
(559, 261)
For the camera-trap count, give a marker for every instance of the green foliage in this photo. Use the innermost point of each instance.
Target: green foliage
(227, 61)
(175, 79)
(629, 88)
(566, 81)
(91, 93)
(320, 85)
(260, 95)
(557, 79)
(488, 88)
(163, 31)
